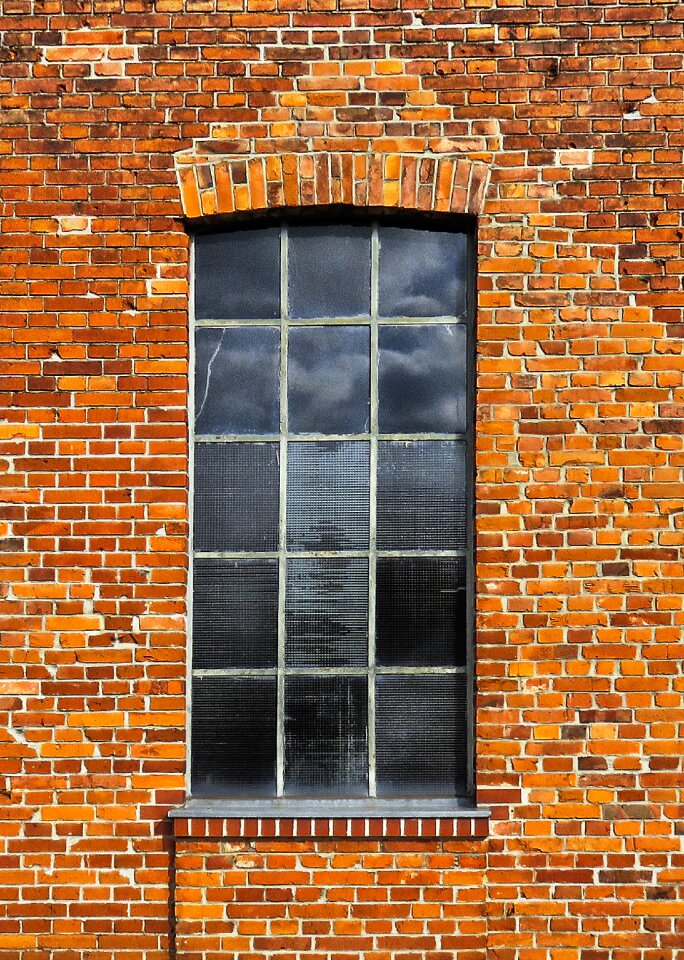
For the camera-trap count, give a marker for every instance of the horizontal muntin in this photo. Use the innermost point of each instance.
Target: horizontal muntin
(319, 554)
(366, 321)
(313, 437)
(325, 671)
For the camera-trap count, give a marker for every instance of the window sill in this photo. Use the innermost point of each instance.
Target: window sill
(295, 819)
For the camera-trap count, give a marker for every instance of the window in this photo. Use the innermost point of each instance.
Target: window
(331, 533)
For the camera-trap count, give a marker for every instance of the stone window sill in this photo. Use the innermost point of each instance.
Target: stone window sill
(295, 819)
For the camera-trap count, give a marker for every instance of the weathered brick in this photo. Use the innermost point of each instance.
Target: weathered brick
(559, 128)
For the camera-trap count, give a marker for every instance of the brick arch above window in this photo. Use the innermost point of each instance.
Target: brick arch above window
(223, 185)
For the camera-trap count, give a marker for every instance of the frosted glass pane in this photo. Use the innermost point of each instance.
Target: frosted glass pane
(233, 736)
(421, 495)
(420, 613)
(421, 750)
(328, 488)
(234, 613)
(236, 496)
(326, 612)
(326, 751)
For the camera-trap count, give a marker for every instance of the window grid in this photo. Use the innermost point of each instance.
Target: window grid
(373, 437)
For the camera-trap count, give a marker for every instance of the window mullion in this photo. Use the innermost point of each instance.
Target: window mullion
(372, 544)
(282, 518)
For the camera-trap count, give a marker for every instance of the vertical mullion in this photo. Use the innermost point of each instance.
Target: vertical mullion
(282, 517)
(372, 544)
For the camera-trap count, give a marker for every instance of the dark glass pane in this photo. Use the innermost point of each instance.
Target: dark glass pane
(422, 384)
(236, 496)
(236, 380)
(420, 611)
(326, 612)
(233, 736)
(327, 495)
(423, 273)
(237, 275)
(421, 749)
(329, 271)
(328, 379)
(326, 752)
(421, 495)
(234, 613)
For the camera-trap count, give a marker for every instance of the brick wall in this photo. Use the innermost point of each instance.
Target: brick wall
(576, 113)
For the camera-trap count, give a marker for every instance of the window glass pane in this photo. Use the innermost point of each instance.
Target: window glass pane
(420, 751)
(326, 612)
(420, 611)
(328, 379)
(237, 275)
(234, 613)
(423, 273)
(236, 496)
(233, 736)
(419, 507)
(422, 379)
(328, 495)
(329, 271)
(325, 737)
(421, 495)
(236, 380)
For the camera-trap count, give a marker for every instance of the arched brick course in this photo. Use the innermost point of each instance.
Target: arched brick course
(219, 186)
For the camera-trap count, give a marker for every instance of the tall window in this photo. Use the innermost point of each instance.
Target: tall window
(330, 613)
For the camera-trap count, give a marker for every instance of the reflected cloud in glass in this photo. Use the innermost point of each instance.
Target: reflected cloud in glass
(236, 380)
(422, 379)
(328, 379)
(422, 273)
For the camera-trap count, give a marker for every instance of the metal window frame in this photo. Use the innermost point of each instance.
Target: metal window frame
(371, 670)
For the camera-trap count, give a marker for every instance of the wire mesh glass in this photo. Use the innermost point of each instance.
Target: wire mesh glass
(330, 512)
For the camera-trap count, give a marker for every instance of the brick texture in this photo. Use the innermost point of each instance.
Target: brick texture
(227, 184)
(562, 126)
(341, 898)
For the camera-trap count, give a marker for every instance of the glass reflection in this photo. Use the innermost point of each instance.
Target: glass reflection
(236, 380)
(423, 273)
(237, 275)
(329, 270)
(328, 379)
(421, 379)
